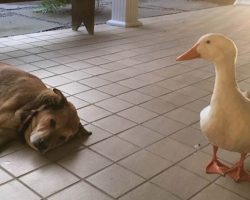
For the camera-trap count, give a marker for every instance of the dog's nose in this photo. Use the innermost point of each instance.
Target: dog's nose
(41, 144)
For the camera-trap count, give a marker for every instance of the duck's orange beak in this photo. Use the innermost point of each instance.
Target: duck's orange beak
(189, 55)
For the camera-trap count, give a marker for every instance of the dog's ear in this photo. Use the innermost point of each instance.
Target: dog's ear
(61, 99)
(50, 98)
(82, 131)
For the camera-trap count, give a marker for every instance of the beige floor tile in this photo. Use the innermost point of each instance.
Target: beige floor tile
(27, 67)
(95, 71)
(114, 76)
(73, 88)
(94, 82)
(15, 190)
(13, 61)
(115, 180)
(84, 163)
(134, 97)
(145, 164)
(73, 145)
(150, 78)
(114, 148)
(191, 137)
(45, 63)
(92, 113)
(171, 84)
(56, 81)
(61, 69)
(30, 58)
(216, 192)
(7, 49)
(158, 106)
(80, 191)
(114, 66)
(144, 58)
(4, 57)
(51, 54)
(140, 136)
(58, 178)
(42, 73)
(154, 90)
(18, 53)
(180, 182)
(133, 83)
(93, 96)
(172, 71)
(177, 98)
(97, 61)
(4, 177)
(186, 78)
(164, 125)
(64, 59)
(242, 188)
(196, 126)
(196, 106)
(183, 115)
(205, 85)
(78, 103)
(97, 135)
(22, 161)
(76, 75)
(148, 191)
(130, 71)
(114, 89)
(207, 99)
(137, 114)
(114, 57)
(114, 105)
(129, 61)
(197, 163)
(79, 65)
(36, 50)
(171, 150)
(114, 124)
(193, 92)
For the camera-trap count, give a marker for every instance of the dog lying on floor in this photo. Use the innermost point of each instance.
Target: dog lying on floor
(28, 109)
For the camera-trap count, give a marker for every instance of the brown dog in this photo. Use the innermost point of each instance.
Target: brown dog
(28, 109)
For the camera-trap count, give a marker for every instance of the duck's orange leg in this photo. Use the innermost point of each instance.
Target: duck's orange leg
(215, 166)
(237, 172)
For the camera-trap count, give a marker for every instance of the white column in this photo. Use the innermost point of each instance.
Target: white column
(124, 13)
(239, 2)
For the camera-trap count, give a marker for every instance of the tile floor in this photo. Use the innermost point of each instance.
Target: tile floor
(142, 106)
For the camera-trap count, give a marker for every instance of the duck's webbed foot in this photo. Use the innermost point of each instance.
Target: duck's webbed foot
(215, 166)
(237, 172)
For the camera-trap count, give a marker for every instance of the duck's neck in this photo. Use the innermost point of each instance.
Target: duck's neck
(225, 82)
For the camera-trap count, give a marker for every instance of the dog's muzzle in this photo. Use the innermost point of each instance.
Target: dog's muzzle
(41, 144)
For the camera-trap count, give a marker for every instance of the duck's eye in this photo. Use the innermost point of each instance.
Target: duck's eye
(52, 123)
(208, 41)
(62, 138)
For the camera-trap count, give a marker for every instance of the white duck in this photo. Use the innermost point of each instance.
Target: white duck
(226, 121)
